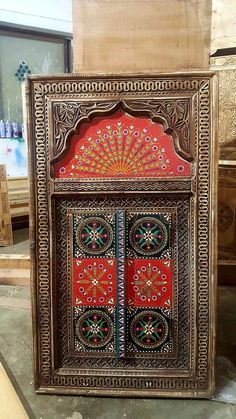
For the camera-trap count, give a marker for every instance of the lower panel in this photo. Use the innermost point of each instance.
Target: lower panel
(152, 347)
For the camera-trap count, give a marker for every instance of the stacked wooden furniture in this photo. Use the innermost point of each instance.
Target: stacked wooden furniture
(225, 66)
(18, 192)
(14, 269)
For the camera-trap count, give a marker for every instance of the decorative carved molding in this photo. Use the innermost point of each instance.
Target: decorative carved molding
(79, 84)
(181, 186)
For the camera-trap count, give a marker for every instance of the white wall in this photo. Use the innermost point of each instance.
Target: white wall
(223, 33)
(47, 15)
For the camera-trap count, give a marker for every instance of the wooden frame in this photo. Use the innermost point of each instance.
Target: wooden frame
(71, 100)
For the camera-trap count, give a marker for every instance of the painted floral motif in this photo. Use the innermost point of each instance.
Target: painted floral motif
(149, 329)
(148, 235)
(149, 283)
(121, 146)
(147, 290)
(94, 282)
(94, 329)
(94, 235)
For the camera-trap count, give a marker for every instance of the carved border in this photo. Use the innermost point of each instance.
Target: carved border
(63, 185)
(200, 85)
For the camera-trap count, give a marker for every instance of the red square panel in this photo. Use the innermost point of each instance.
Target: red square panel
(94, 282)
(149, 283)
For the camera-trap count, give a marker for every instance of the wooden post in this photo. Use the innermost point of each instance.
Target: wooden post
(5, 216)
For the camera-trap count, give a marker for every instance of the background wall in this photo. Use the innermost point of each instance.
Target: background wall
(141, 35)
(48, 15)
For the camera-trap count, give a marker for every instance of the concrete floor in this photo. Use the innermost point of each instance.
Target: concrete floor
(20, 243)
(15, 345)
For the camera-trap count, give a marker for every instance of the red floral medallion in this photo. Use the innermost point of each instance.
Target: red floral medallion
(149, 283)
(94, 282)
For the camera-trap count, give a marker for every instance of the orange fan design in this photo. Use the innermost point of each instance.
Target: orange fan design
(121, 146)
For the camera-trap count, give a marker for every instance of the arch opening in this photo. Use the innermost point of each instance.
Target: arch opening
(121, 146)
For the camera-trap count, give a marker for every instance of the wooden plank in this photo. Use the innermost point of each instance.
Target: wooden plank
(18, 192)
(19, 211)
(135, 36)
(11, 406)
(12, 261)
(5, 216)
(14, 277)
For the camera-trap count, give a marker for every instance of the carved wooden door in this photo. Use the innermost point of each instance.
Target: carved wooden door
(123, 234)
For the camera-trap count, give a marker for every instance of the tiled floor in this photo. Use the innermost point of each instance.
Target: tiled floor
(15, 344)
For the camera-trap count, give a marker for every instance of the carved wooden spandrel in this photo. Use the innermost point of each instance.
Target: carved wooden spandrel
(112, 206)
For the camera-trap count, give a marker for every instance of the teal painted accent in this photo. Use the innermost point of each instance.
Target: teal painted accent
(117, 290)
(119, 351)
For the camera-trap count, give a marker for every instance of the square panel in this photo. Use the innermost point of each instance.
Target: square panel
(149, 330)
(94, 282)
(94, 329)
(149, 283)
(94, 235)
(149, 235)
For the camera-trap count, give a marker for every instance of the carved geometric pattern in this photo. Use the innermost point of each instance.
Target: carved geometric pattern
(149, 283)
(65, 185)
(121, 146)
(189, 361)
